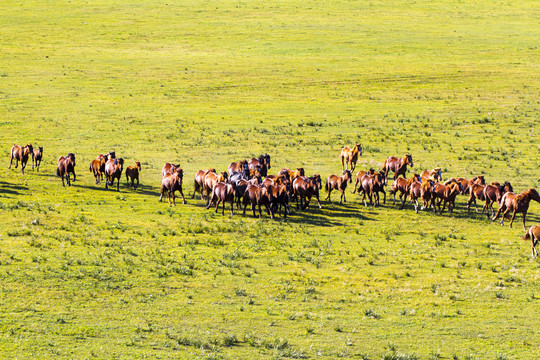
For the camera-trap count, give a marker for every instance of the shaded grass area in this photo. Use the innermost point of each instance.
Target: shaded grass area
(92, 272)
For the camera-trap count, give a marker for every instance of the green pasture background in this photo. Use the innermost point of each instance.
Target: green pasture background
(88, 272)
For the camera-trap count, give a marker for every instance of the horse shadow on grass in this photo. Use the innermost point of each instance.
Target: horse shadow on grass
(11, 189)
(329, 215)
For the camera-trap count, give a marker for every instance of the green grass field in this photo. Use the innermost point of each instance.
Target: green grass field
(87, 272)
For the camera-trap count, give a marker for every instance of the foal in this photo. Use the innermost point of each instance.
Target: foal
(338, 183)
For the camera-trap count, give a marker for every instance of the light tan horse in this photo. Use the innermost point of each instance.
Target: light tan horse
(350, 156)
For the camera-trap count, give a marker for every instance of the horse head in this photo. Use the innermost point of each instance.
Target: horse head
(301, 171)
(348, 175)
(409, 160)
(138, 164)
(533, 195)
(358, 147)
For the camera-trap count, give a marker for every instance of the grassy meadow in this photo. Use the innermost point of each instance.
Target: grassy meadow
(92, 273)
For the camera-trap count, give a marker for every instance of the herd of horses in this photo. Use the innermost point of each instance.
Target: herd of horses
(248, 183)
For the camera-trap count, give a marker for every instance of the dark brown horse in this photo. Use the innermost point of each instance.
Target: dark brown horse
(398, 166)
(435, 175)
(305, 188)
(66, 165)
(113, 170)
(171, 183)
(350, 156)
(279, 197)
(198, 185)
(20, 153)
(256, 196)
(534, 234)
(168, 169)
(446, 194)
(37, 155)
(511, 202)
(494, 193)
(262, 164)
(476, 191)
(222, 192)
(371, 186)
(334, 182)
(132, 172)
(359, 175)
(97, 167)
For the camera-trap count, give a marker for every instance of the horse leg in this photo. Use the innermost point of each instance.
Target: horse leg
(217, 203)
(403, 201)
(343, 197)
(416, 206)
(328, 196)
(524, 214)
(181, 193)
(232, 203)
(118, 184)
(513, 217)
(138, 186)
(161, 192)
(384, 192)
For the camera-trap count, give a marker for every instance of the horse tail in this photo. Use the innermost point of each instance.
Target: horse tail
(527, 235)
(57, 172)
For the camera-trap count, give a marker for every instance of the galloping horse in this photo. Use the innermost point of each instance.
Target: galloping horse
(306, 187)
(371, 186)
(256, 196)
(171, 183)
(516, 204)
(113, 170)
(262, 164)
(66, 165)
(421, 190)
(222, 192)
(97, 167)
(20, 153)
(534, 234)
(476, 192)
(279, 197)
(398, 166)
(292, 174)
(350, 156)
(198, 185)
(494, 192)
(212, 179)
(359, 176)
(466, 183)
(37, 155)
(338, 183)
(446, 194)
(403, 186)
(239, 166)
(434, 175)
(132, 172)
(169, 169)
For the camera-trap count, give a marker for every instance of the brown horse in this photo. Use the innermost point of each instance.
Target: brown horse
(198, 185)
(256, 196)
(335, 182)
(421, 190)
(171, 183)
(516, 204)
(37, 155)
(305, 188)
(371, 186)
(476, 191)
(403, 186)
(97, 167)
(446, 194)
(534, 234)
(350, 156)
(212, 179)
(222, 192)
(132, 172)
(398, 166)
(359, 176)
(66, 165)
(168, 169)
(435, 175)
(113, 170)
(20, 153)
(292, 174)
(494, 193)
(466, 183)
(279, 197)
(262, 164)
(239, 166)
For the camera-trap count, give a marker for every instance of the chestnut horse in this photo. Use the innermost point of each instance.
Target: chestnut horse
(256, 196)
(358, 179)
(113, 170)
(279, 197)
(466, 183)
(494, 192)
(371, 186)
(516, 204)
(198, 185)
(222, 192)
(476, 191)
(403, 186)
(37, 155)
(398, 166)
(434, 175)
(212, 179)
(350, 156)
(305, 188)
(534, 234)
(292, 174)
(20, 153)
(97, 167)
(421, 190)
(262, 164)
(239, 166)
(168, 169)
(66, 165)
(132, 172)
(338, 183)
(171, 183)
(446, 194)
